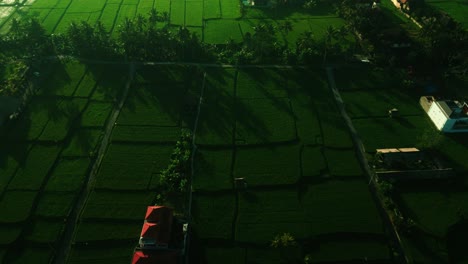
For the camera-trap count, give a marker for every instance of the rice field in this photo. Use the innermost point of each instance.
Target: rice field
(435, 206)
(214, 21)
(46, 158)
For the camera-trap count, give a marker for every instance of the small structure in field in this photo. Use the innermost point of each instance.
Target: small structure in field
(8, 107)
(240, 183)
(409, 164)
(393, 113)
(447, 115)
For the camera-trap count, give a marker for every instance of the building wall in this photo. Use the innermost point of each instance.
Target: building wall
(437, 116)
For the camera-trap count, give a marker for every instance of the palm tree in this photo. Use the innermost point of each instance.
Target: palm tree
(330, 34)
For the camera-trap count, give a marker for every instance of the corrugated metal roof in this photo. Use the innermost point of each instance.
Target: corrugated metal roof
(445, 108)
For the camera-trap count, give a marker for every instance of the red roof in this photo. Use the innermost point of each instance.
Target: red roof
(156, 213)
(150, 230)
(156, 257)
(158, 224)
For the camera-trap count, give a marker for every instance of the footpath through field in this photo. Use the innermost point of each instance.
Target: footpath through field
(72, 221)
(362, 159)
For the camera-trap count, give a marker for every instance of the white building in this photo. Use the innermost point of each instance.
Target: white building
(448, 116)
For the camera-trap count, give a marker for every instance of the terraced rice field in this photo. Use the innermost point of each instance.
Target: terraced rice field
(215, 21)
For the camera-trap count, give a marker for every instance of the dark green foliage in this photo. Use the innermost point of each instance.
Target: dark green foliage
(174, 177)
(18, 204)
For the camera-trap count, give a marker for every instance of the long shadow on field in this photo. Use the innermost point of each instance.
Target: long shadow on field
(173, 90)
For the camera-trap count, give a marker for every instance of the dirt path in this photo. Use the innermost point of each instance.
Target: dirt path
(72, 220)
(362, 159)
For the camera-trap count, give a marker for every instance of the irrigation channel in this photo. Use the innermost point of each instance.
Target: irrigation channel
(361, 154)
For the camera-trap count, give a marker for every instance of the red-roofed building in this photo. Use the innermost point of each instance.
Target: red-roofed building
(157, 228)
(158, 213)
(156, 257)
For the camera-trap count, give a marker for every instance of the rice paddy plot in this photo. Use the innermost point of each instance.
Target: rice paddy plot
(261, 216)
(121, 205)
(152, 108)
(351, 250)
(216, 129)
(214, 215)
(64, 79)
(89, 231)
(87, 84)
(60, 122)
(9, 234)
(46, 4)
(31, 123)
(226, 255)
(261, 83)
(55, 204)
(307, 122)
(218, 31)
(69, 175)
(313, 162)
(194, 13)
(18, 204)
(230, 9)
(96, 114)
(271, 255)
(376, 103)
(52, 19)
(162, 6)
(177, 16)
(456, 9)
(213, 170)
(335, 132)
(144, 7)
(83, 143)
(264, 121)
(85, 5)
(39, 14)
(268, 165)
(108, 16)
(123, 169)
(343, 163)
(69, 18)
(436, 212)
(340, 206)
(8, 167)
(109, 253)
(363, 78)
(110, 83)
(377, 133)
(212, 9)
(125, 12)
(148, 134)
(31, 253)
(44, 231)
(31, 174)
(130, 2)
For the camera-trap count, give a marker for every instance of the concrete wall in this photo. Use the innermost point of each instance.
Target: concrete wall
(437, 116)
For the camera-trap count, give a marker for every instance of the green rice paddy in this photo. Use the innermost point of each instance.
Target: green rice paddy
(214, 21)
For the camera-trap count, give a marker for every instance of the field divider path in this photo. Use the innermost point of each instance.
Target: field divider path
(72, 220)
(192, 166)
(362, 159)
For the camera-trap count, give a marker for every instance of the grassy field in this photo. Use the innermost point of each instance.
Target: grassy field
(456, 9)
(215, 21)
